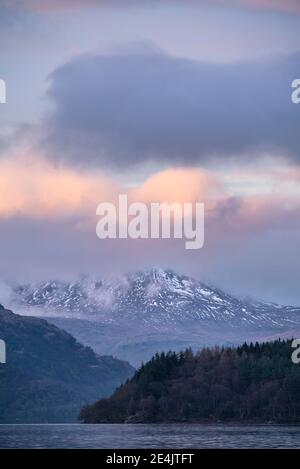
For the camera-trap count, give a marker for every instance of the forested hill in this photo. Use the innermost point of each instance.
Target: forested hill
(48, 375)
(252, 383)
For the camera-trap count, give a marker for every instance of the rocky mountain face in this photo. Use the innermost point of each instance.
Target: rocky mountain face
(139, 314)
(48, 375)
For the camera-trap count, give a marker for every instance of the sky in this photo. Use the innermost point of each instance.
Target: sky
(164, 100)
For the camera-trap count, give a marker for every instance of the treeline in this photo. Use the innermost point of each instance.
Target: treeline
(251, 383)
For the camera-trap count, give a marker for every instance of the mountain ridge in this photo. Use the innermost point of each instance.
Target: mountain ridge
(141, 313)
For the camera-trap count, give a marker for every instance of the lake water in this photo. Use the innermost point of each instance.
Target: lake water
(148, 436)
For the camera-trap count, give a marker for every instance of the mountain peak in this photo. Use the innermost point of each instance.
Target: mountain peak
(155, 296)
(147, 311)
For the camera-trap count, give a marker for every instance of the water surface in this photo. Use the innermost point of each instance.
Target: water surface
(148, 436)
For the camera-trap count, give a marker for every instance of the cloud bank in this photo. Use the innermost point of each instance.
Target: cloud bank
(48, 220)
(128, 108)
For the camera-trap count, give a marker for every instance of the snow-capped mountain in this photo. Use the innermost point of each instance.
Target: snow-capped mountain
(156, 298)
(144, 312)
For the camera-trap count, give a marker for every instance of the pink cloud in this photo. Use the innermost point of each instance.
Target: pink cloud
(180, 185)
(32, 187)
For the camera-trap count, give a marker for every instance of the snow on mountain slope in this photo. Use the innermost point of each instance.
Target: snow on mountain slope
(156, 298)
(134, 316)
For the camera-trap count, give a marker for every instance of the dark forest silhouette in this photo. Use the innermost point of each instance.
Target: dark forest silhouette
(251, 383)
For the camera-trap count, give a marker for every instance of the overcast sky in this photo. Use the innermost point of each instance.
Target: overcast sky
(167, 101)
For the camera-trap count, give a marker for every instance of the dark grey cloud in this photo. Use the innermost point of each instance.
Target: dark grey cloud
(129, 108)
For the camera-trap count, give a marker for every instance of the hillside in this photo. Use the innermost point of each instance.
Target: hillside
(136, 315)
(49, 375)
(251, 383)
